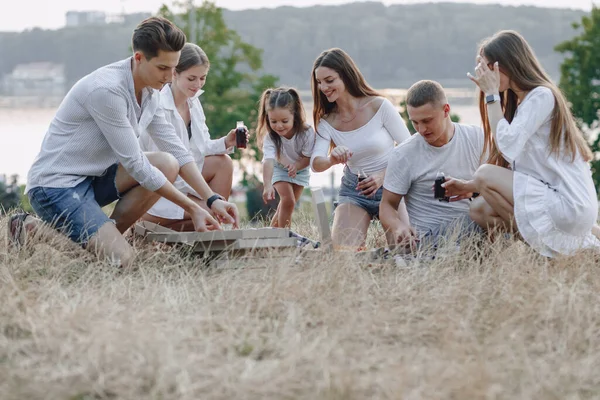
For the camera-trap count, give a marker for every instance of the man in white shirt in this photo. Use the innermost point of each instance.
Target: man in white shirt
(90, 156)
(439, 146)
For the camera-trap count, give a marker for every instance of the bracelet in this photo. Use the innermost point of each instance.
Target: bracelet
(214, 198)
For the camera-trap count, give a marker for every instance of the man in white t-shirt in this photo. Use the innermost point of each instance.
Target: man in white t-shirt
(439, 146)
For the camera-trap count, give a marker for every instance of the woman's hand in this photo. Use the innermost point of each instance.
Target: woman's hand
(230, 139)
(458, 189)
(226, 212)
(268, 194)
(487, 79)
(369, 186)
(340, 155)
(203, 221)
(292, 170)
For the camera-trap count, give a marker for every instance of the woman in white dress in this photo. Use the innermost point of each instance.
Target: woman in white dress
(184, 111)
(537, 180)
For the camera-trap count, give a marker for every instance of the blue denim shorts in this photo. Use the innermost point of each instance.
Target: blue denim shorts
(77, 211)
(349, 194)
(280, 174)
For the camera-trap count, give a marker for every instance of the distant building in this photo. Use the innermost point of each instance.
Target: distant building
(36, 79)
(85, 18)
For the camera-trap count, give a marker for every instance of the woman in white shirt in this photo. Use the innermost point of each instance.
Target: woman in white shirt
(538, 179)
(356, 127)
(183, 110)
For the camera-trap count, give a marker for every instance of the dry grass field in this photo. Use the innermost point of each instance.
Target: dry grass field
(491, 322)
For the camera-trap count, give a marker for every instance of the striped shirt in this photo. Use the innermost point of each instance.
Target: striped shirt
(97, 125)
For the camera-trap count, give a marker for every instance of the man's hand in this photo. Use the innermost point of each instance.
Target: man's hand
(406, 236)
(226, 212)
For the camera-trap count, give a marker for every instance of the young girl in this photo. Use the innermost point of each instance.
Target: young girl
(287, 143)
(538, 179)
(183, 110)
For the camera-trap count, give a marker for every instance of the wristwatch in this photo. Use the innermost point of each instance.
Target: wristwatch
(212, 199)
(492, 98)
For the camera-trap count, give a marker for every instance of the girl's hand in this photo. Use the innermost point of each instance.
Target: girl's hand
(458, 189)
(226, 212)
(370, 185)
(340, 155)
(268, 194)
(487, 79)
(292, 170)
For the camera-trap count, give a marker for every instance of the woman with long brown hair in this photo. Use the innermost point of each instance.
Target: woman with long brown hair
(356, 127)
(537, 180)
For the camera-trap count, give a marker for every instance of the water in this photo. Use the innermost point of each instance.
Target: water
(22, 132)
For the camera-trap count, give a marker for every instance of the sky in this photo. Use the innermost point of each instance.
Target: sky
(50, 14)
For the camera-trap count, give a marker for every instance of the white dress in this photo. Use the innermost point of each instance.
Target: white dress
(556, 204)
(200, 145)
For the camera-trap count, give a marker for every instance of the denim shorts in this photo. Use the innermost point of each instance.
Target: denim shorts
(280, 174)
(348, 194)
(77, 211)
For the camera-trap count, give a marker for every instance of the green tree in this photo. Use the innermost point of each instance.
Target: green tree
(234, 85)
(580, 78)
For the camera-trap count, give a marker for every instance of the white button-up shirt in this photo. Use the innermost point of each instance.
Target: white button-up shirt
(97, 125)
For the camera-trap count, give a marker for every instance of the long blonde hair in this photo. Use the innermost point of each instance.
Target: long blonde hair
(517, 61)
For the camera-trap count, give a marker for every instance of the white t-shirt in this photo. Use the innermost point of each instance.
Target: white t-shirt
(370, 144)
(412, 169)
(291, 149)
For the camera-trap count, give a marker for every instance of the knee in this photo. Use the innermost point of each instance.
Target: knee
(168, 165)
(288, 202)
(226, 163)
(482, 175)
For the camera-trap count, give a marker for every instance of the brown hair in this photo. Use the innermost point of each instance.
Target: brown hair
(157, 33)
(425, 92)
(517, 60)
(339, 61)
(287, 98)
(191, 56)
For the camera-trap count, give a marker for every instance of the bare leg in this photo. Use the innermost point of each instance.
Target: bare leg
(289, 194)
(484, 215)
(596, 231)
(350, 226)
(218, 173)
(109, 242)
(495, 184)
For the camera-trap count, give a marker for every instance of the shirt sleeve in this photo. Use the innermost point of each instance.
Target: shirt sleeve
(393, 122)
(309, 143)
(397, 175)
(216, 146)
(531, 115)
(108, 109)
(269, 150)
(322, 143)
(165, 137)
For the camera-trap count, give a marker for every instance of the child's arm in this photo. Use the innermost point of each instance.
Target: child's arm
(268, 192)
(302, 163)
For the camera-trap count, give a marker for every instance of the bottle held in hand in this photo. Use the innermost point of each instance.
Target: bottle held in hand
(361, 175)
(438, 191)
(240, 135)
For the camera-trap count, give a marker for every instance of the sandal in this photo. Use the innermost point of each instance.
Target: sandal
(15, 229)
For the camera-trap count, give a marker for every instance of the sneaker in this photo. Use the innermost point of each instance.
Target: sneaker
(304, 241)
(16, 231)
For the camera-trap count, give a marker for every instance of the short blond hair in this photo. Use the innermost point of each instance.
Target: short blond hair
(424, 92)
